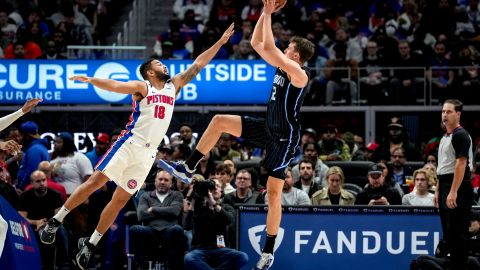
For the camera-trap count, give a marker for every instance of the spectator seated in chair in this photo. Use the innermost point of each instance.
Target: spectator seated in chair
(377, 192)
(37, 205)
(159, 211)
(333, 194)
(210, 219)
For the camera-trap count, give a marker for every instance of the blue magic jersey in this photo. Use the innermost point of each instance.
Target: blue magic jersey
(284, 105)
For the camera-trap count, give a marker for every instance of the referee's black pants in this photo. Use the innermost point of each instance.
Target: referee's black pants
(455, 222)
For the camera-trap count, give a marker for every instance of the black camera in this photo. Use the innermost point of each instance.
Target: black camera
(201, 188)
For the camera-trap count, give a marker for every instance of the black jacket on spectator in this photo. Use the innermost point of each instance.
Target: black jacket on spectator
(252, 198)
(208, 223)
(369, 193)
(313, 187)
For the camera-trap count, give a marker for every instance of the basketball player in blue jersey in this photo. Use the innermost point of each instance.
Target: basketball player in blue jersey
(130, 158)
(279, 133)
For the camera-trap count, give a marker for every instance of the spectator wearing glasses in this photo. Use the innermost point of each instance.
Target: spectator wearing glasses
(243, 193)
(377, 192)
(421, 195)
(399, 171)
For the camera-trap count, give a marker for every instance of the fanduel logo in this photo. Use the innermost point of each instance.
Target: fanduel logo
(112, 71)
(255, 234)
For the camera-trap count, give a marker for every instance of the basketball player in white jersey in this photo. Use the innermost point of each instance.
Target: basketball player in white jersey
(130, 158)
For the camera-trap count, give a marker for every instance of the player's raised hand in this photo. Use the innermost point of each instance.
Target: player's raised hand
(227, 34)
(272, 6)
(29, 104)
(80, 78)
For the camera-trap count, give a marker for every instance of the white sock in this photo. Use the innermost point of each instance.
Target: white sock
(61, 214)
(96, 236)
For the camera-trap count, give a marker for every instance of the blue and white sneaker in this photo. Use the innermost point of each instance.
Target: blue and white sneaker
(178, 169)
(265, 262)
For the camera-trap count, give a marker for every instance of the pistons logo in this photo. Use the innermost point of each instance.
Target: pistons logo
(132, 183)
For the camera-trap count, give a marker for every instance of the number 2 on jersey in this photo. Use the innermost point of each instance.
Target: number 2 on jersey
(159, 112)
(274, 92)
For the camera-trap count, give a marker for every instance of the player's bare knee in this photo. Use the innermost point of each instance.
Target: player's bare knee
(219, 121)
(90, 183)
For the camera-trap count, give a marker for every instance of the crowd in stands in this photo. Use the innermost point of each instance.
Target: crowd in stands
(37, 182)
(43, 29)
(367, 37)
(365, 50)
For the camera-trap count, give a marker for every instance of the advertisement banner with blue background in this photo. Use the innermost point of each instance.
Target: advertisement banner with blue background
(220, 82)
(342, 237)
(21, 248)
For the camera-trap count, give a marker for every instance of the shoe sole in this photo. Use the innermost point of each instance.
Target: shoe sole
(265, 267)
(164, 165)
(47, 242)
(80, 246)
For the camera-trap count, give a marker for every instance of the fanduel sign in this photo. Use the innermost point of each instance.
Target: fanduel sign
(338, 238)
(220, 82)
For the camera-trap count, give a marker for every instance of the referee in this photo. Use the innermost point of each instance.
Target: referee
(454, 192)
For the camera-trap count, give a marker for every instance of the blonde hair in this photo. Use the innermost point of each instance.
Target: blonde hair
(336, 170)
(428, 175)
(198, 177)
(433, 170)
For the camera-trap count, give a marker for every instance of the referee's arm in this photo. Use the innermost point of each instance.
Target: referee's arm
(459, 173)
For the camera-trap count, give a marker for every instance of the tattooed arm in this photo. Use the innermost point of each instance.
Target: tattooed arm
(202, 60)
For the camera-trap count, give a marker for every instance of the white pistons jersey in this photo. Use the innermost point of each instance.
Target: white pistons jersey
(151, 116)
(130, 158)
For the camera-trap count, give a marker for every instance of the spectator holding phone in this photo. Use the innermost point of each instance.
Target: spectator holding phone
(377, 192)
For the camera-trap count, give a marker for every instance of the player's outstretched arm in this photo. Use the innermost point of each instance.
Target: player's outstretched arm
(201, 61)
(257, 35)
(7, 120)
(130, 87)
(29, 104)
(272, 54)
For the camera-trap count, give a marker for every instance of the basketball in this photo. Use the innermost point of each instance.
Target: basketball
(280, 2)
